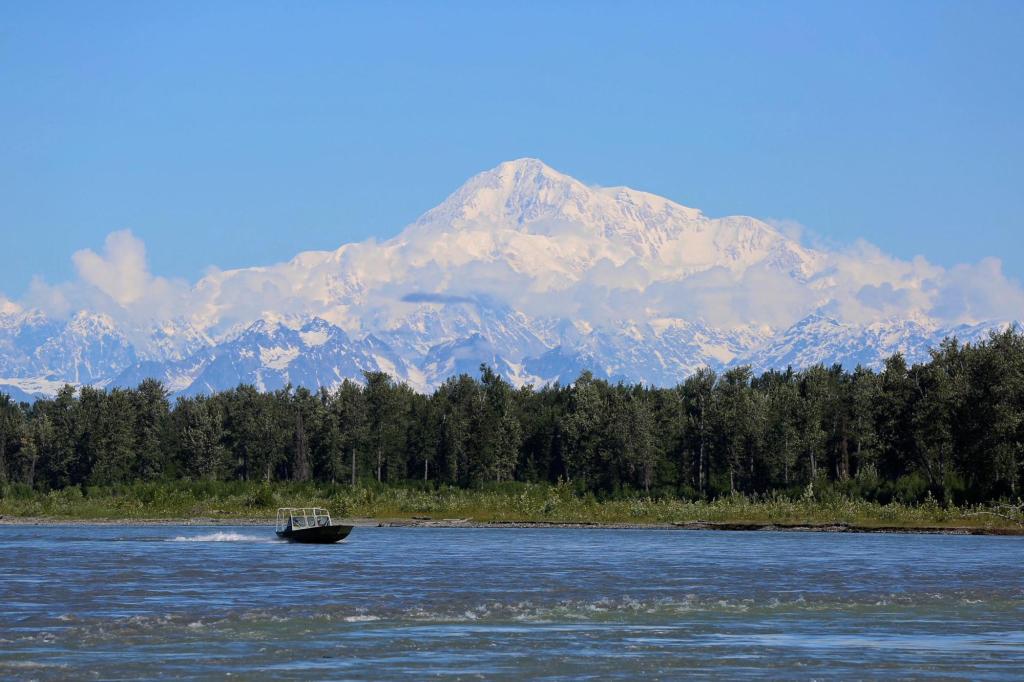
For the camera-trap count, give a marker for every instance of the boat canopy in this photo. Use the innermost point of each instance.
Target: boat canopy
(296, 518)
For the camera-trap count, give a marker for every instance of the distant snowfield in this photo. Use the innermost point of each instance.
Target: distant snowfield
(522, 268)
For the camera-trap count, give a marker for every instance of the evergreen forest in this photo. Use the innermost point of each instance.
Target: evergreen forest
(951, 429)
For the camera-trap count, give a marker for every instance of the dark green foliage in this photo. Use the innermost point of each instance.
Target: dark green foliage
(951, 429)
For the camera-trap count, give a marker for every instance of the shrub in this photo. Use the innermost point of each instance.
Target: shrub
(911, 488)
(262, 498)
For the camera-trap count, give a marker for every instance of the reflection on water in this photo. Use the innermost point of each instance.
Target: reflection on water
(108, 602)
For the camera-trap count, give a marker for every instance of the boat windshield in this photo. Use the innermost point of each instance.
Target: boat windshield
(296, 518)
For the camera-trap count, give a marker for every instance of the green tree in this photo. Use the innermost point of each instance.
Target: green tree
(199, 427)
(12, 427)
(701, 412)
(581, 427)
(152, 441)
(737, 424)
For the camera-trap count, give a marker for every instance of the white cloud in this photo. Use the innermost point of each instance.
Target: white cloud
(757, 296)
(8, 307)
(50, 299)
(864, 284)
(121, 272)
(117, 283)
(978, 293)
(366, 285)
(630, 275)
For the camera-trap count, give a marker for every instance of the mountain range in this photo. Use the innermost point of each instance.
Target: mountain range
(523, 268)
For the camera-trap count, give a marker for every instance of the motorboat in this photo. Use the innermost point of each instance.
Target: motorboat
(309, 524)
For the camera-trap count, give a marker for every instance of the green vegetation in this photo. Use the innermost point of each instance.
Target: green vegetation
(918, 445)
(502, 502)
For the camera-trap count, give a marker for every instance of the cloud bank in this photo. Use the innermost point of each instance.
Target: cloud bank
(860, 284)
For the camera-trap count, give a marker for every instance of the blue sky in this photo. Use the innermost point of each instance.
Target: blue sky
(236, 134)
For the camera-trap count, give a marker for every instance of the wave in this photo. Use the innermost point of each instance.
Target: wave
(31, 665)
(681, 611)
(221, 537)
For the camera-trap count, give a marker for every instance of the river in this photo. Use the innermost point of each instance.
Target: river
(107, 602)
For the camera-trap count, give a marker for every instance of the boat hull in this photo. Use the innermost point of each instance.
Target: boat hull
(319, 535)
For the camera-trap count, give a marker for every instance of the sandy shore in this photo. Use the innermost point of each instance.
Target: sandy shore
(422, 522)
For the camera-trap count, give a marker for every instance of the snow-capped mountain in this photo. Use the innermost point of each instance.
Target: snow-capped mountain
(522, 268)
(821, 339)
(37, 353)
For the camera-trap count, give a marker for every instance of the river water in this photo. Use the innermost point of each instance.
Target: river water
(95, 602)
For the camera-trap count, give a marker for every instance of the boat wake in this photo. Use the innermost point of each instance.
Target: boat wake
(221, 537)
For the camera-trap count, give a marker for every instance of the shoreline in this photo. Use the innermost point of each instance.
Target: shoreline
(8, 520)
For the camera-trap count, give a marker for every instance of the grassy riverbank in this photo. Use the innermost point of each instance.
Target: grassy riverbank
(510, 502)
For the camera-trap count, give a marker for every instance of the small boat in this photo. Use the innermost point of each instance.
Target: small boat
(309, 524)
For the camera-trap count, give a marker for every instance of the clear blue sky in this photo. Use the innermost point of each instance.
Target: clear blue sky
(239, 133)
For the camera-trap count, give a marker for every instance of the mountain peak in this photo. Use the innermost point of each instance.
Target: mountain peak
(525, 168)
(86, 323)
(527, 195)
(521, 190)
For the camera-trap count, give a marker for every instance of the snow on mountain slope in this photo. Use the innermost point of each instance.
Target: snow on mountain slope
(271, 356)
(21, 334)
(663, 352)
(819, 338)
(173, 340)
(553, 231)
(518, 234)
(525, 269)
(87, 349)
(542, 221)
(17, 395)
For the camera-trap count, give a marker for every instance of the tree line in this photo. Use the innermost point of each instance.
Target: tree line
(952, 427)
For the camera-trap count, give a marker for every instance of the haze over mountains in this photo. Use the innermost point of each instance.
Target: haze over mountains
(522, 268)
